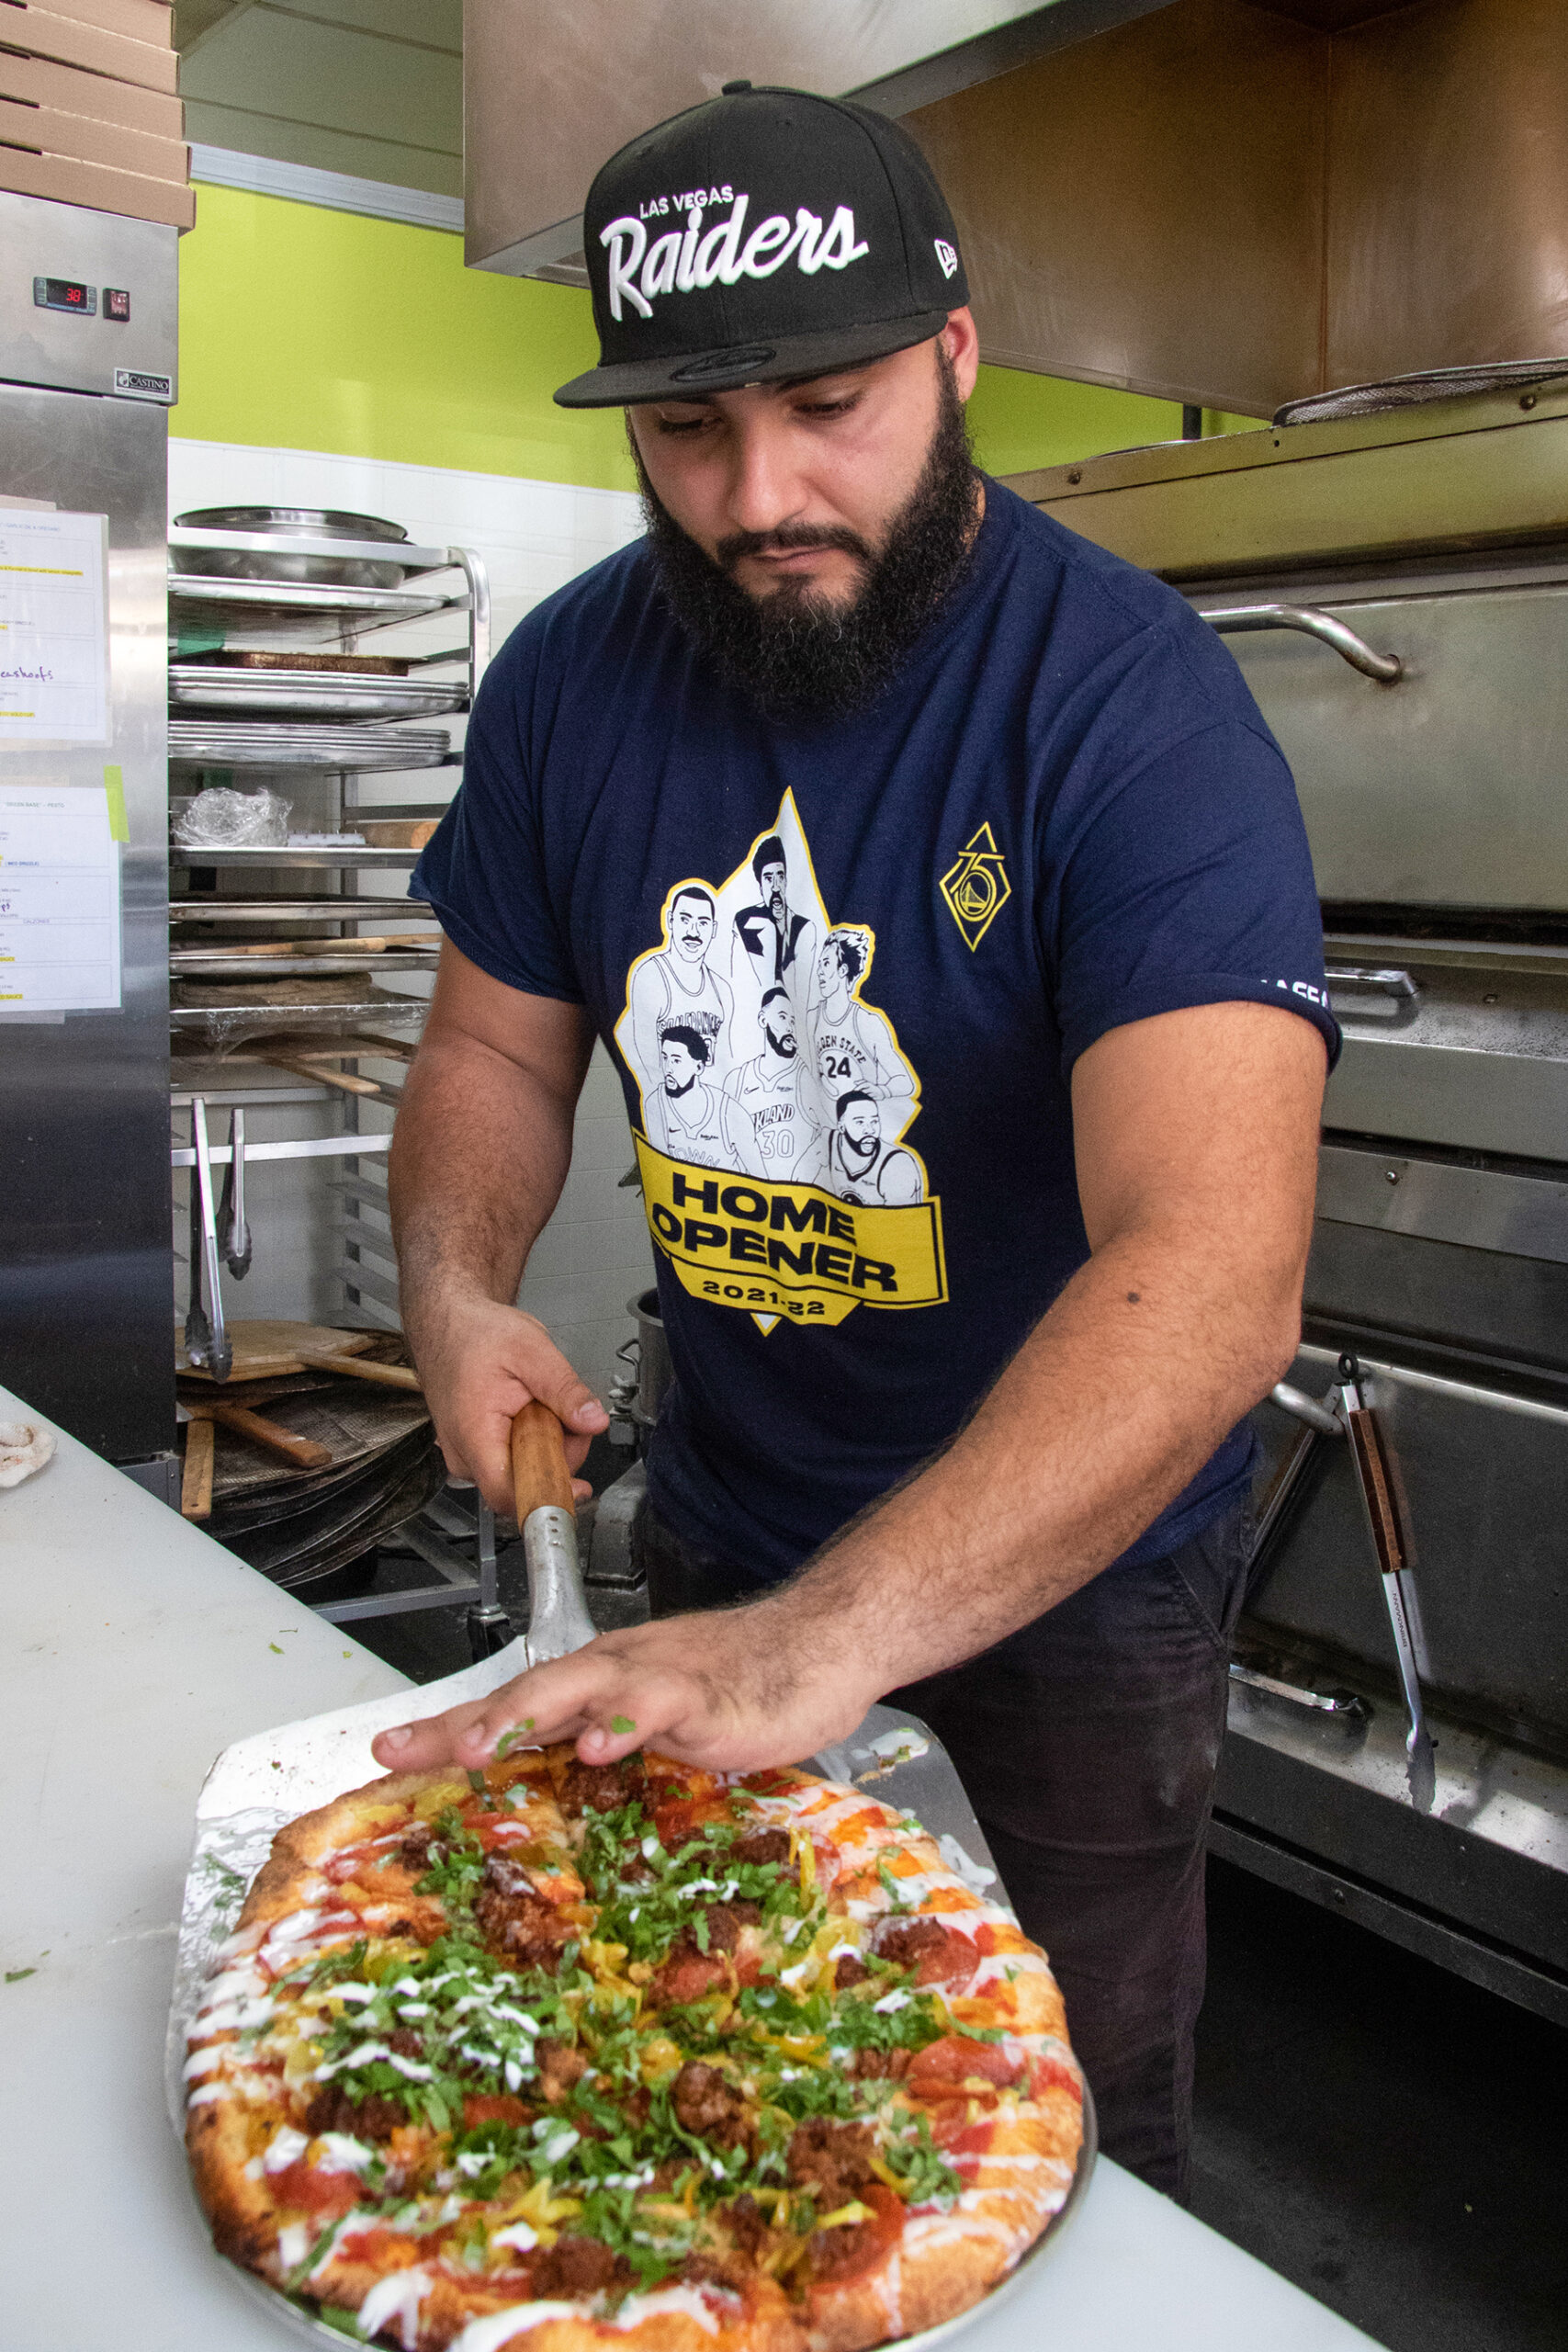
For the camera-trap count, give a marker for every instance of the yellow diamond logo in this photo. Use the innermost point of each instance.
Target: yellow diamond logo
(977, 888)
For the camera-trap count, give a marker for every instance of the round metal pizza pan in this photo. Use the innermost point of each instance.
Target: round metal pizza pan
(299, 2321)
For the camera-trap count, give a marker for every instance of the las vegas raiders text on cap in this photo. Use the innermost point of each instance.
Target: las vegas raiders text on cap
(766, 235)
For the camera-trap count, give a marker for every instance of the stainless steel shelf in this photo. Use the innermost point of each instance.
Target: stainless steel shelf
(293, 545)
(321, 860)
(204, 964)
(318, 698)
(203, 598)
(333, 909)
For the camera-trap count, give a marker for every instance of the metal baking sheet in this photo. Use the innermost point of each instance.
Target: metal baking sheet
(206, 600)
(310, 694)
(208, 964)
(209, 743)
(262, 1784)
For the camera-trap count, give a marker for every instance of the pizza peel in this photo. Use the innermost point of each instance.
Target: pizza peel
(261, 1784)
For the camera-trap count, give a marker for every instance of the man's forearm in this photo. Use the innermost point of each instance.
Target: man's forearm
(478, 1161)
(1115, 1401)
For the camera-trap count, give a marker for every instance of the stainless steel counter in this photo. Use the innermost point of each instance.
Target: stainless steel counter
(137, 1649)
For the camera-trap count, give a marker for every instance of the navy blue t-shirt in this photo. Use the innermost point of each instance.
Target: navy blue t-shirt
(845, 968)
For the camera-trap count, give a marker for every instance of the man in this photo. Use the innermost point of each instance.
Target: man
(855, 1164)
(765, 1088)
(993, 1455)
(773, 946)
(689, 1120)
(852, 1042)
(675, 988)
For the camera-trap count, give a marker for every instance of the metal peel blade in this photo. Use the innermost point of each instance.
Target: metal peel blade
(559, 1621)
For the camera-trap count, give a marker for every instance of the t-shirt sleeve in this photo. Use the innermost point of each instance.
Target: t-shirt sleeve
(1184, 880)
(485, 871)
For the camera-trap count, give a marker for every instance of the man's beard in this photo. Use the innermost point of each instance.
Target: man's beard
(785, 1047)
(797, 654)
(858, 1150)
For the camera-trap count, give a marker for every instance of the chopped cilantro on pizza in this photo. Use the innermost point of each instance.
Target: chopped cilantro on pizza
(561, 2055)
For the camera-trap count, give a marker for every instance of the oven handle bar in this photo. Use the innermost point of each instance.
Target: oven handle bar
(1241, 619)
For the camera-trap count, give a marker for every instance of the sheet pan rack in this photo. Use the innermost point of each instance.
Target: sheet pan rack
(292, 913)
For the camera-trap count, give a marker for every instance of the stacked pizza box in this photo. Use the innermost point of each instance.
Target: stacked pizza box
(88, 108)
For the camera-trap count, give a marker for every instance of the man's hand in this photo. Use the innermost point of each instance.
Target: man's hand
(729, 1690)
(481, 1364)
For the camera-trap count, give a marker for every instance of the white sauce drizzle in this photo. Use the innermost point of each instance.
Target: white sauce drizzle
(396, 2298)
(285, 2147)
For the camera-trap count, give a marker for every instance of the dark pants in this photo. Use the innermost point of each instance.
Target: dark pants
(1089, 1742)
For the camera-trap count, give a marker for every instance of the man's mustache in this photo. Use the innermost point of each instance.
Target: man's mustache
(787, 540)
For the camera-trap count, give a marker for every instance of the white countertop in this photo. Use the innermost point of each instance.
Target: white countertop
(135, 1649)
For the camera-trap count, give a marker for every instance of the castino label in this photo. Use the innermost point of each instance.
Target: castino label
(788, 1251)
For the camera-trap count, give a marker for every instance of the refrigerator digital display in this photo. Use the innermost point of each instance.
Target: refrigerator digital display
(65, 294)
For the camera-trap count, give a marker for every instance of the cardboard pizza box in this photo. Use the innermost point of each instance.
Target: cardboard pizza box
(151, 20)
(43, 32)
(67, 180)
(49, 132)
(38, 82)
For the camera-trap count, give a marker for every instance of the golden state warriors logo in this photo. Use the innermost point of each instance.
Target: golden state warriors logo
(977, 888)
(776, 1100)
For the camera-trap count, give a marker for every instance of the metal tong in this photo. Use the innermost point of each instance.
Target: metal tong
(207, 1341)
(559, 1621)
(1345, 1412)
(233, 1226)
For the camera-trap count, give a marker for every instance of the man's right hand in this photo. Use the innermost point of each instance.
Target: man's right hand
(481, 1364)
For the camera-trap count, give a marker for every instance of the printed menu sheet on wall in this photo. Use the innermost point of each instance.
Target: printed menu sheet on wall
(54, 669)
(59, 900)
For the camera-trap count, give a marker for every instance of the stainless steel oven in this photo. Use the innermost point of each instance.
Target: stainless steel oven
(1394, 582)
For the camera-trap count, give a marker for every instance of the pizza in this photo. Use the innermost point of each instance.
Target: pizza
(561, 2055)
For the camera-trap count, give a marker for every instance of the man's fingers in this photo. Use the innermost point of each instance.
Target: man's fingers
(608, 1703)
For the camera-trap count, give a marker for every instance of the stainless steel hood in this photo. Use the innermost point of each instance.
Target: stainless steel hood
(552, 88)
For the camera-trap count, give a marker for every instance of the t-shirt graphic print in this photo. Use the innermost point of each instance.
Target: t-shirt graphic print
(759, 1056)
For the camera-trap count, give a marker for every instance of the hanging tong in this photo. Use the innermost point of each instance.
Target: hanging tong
(1393, 1564)
(233, 1226)
(207, 1341)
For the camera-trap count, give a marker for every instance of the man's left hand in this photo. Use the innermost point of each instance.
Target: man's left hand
(722, 1690)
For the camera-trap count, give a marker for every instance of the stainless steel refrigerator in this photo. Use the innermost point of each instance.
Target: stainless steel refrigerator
(87, 355)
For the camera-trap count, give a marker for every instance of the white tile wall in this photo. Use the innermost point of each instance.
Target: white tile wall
(534, 537)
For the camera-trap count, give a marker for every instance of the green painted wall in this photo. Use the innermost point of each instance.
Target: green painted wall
(304, 329)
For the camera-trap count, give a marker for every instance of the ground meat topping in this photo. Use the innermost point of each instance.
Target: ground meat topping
(509, 1914)
(892, 2065)
(725, 1921)
(850, 1971)
(834, 2159)
(601, 1787)
(763, 1846)
(576, 2267)
(708, 2105)
(371, 2118)
(906, 1942)
(560, 2067)
(833, 2252)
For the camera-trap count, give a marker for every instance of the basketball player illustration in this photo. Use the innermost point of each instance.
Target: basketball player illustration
(771, 945)
(767, 1087)
(677, 988)
(852, 1043)
(689, 1119)
(854, 1161)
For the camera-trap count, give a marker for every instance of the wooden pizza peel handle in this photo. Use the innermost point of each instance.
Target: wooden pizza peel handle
(539, 1475)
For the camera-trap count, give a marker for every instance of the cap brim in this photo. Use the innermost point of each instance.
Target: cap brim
(691, 376)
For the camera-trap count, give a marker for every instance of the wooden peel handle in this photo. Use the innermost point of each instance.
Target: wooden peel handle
(540, 1474)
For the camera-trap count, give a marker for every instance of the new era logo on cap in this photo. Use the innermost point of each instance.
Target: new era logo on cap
(766, 235)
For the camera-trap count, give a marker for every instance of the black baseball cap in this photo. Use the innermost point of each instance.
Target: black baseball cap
(766, 235)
